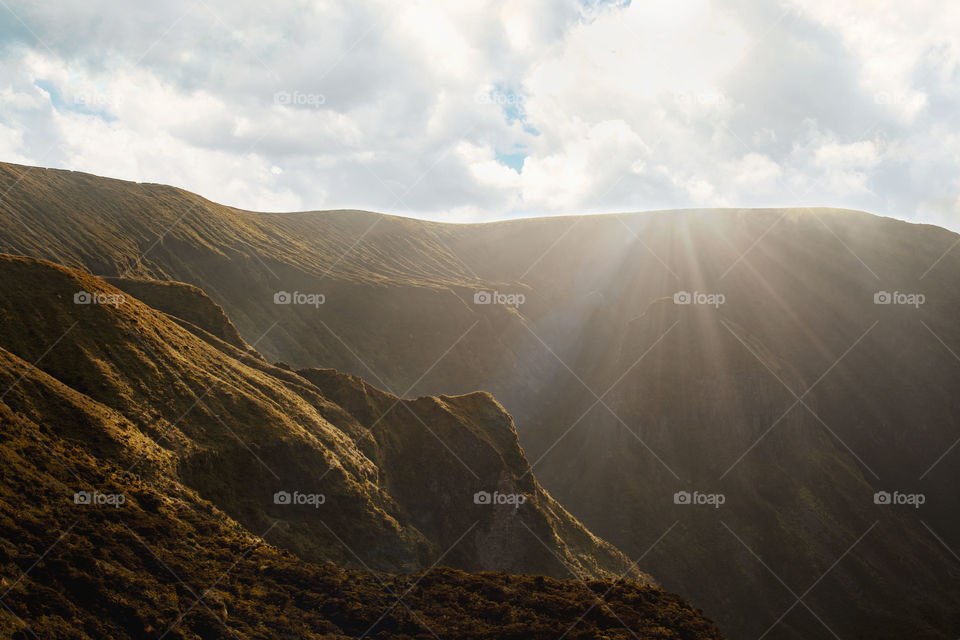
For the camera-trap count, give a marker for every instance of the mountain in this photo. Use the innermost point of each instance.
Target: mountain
(142, 457)
(793, 396)
(238, 431)
(90, 550)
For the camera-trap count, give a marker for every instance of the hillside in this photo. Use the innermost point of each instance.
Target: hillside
(366, 266)
(186, 303)
(691, 397)
(238, 431)
(153, 559)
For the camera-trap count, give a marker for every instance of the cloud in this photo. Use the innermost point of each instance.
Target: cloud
(755, 170)
(492, 109)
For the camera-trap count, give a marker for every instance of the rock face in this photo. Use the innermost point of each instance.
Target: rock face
(798, 398)
(438, 457)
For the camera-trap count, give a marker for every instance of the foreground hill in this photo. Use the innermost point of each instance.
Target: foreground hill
(397, 478)
(797, 398)
(148, 557)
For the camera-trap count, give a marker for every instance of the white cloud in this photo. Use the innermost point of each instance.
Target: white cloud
(417, 108)
(892, 39)
(856, 155)
(11, 143)
(586, 167)
(756, 170)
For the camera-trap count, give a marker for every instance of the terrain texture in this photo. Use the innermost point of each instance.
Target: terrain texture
(797, 398)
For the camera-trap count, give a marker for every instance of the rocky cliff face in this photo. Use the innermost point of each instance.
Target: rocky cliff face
(450, 461)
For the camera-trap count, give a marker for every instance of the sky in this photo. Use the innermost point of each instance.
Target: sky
(486, 110)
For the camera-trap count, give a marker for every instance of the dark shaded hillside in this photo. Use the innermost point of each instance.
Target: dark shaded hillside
(716, 400)
(616, 406)
(711, 403)
(796, 498)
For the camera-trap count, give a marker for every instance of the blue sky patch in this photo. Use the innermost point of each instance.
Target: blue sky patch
(77, 103)
(512, 160)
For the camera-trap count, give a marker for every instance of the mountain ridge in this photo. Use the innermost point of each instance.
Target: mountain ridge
(878, 411)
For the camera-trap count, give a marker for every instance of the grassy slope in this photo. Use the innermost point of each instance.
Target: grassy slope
(237, 430)
(186, 302)
(367, 265)
(168, 563)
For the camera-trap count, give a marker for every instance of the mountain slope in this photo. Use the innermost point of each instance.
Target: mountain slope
(708, 404)
(237, 431)
(366, 265)
(159, 561)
